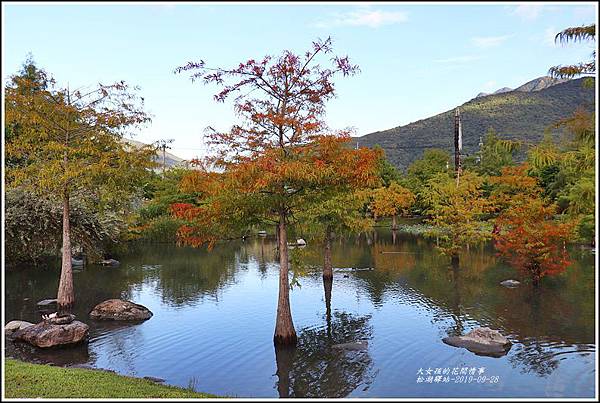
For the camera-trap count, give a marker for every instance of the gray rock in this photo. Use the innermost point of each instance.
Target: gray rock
(109, 262)
(15, 325)
(77, 262)
(47, 302)
(117, 309)
(300, 242)
(358, 345)
(481, 341)
(46, 334)
(510, 283)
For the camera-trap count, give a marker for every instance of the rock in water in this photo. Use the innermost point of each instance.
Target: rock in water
(61, 320)
(117, 309)
(359, 345)
(110, 262)
(510, 283)
(46, 334)
(47, 302)
(481, 341)
(14, 325)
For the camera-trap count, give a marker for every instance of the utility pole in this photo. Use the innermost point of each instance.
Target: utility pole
(162, 144)
(457, 144)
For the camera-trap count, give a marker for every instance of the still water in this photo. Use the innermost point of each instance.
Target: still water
(214, 318)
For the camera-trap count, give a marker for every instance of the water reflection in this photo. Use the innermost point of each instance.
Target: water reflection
(213, 308)
(315, 369)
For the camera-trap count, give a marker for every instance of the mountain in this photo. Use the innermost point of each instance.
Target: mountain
(171, 160)
(537, 84)
(540, 83)
(515, 115)
(503, 89)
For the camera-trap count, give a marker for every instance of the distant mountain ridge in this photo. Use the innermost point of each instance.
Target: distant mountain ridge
(536, 84)
(171, 160)
(517, 115)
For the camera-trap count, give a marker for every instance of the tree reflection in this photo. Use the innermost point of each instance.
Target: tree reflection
(315, 369)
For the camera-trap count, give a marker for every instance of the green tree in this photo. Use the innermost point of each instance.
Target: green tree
(433, 162)
(68, 143)
(391, 201)
(457, 210)
(154, 220)
(340, 213)
(495, 154)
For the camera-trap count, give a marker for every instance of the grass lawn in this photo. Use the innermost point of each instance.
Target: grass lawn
(24, 380)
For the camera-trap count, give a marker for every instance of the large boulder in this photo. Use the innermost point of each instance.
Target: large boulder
(11, 327)
(481, 341)
(117, 309)
(48, 334)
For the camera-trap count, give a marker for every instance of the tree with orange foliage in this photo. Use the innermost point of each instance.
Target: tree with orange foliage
(526, 232)
(279, 158)
(391, 201)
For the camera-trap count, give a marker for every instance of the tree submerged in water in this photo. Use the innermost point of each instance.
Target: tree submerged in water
(456, 211)
(279, 159)
(527, 233)
(64, 142)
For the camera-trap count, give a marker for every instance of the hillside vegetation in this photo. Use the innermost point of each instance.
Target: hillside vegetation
(515, 115)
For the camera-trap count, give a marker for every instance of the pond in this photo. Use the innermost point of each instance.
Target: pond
(214, 315)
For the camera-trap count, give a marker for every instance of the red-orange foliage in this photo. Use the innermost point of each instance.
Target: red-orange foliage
(526, 232)
(280, 158)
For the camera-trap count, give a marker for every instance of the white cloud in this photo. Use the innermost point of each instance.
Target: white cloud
(489, 41)
(528, 11)
(458, 59)
(364, 16)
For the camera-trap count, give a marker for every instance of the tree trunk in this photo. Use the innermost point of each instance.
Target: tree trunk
(328, 285)
(284, 327)
(66, 296)
(327, 269)
(394, 234)
(455, 262)
(394, 223)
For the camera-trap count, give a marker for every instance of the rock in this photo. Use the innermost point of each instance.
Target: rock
(300, 242)
(61, 320)
(510, 283)
(359, 345)
(262, 233)
(481, 341)
(47, 302)
(117, 309)
(77, 262)
(15, 325)
(46, 334)
(109, 262)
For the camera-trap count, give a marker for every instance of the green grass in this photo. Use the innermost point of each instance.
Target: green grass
(24, 380)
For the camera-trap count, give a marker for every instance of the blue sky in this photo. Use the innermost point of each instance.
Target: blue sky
(416, 60)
